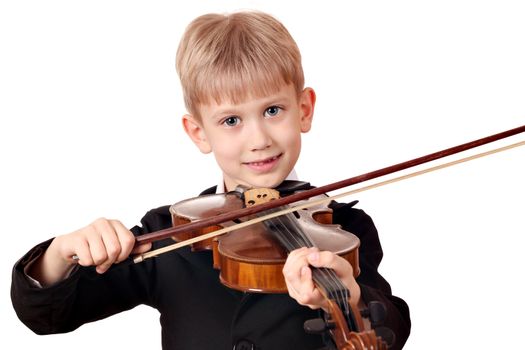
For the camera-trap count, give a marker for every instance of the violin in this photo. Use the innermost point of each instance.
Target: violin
(252, 258)
(251, 231)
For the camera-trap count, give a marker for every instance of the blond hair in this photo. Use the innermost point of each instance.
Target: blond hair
(234, 56)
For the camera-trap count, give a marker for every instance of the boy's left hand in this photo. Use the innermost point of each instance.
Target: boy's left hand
(298, 275)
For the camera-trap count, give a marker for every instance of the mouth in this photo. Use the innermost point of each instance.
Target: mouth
(264, 165)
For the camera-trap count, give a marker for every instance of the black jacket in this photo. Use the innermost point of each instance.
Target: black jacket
(196, 310)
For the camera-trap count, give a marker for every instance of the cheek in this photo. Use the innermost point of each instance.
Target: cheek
(295, 145)
(292, 138)
(225, 148)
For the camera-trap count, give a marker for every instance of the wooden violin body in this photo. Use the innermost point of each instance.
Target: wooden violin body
(251, 259)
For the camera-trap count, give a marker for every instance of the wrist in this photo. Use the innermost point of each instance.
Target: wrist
(51, 267)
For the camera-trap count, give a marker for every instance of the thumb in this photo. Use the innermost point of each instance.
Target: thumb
(314, 258)
(142, 248)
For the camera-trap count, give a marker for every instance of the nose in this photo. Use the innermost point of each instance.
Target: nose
(259, 137)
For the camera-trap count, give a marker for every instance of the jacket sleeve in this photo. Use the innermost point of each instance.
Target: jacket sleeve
(373, 286)
(85, 295)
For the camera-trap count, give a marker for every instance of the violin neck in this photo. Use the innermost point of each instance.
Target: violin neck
(335, 290)
(291, 236)
(287, 231)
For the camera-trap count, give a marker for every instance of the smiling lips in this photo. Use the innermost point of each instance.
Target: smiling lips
(264, 165)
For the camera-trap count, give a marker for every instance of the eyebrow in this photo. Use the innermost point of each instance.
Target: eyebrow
(225, 112)
(277, 98)
(234, 109)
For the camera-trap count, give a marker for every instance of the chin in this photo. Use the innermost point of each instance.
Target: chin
(269, 182)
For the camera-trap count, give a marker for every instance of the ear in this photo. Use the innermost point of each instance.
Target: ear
(196, 133)
(306, 107)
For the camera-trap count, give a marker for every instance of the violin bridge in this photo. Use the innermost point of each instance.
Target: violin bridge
(256, 196)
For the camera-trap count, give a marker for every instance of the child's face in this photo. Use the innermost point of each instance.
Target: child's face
(256, 142)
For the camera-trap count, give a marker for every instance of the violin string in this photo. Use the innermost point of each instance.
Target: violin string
(326, 276)
(294, 237)
(291, 239)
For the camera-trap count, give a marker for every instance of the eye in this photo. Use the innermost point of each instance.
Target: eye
(272, 111)
(231, 121)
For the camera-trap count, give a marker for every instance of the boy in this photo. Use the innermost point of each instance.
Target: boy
(244, 90)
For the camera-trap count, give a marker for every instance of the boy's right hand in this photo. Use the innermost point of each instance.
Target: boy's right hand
(101, 244)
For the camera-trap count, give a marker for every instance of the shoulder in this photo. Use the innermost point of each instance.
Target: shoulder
(358, 222)
(154, 220)
(160, 218)
(211, 190)
(350, 217)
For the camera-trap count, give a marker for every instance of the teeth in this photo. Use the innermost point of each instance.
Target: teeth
(266, 161)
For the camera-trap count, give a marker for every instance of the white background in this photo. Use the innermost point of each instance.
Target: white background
(90, 110)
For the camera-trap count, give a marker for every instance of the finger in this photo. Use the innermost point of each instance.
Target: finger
(82, 252)
(97, 249)
(342, 268)
(298, 278)
(306, 288)
(330, 260)
(126, 240)
(292, 267)
(298, 257)
(104, 245)
(111, 241)
(98, 253)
